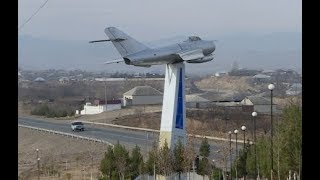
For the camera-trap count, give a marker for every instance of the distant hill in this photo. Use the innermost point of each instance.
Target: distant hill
(268, 51)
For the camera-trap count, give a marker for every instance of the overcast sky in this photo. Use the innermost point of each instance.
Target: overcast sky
(151, 20)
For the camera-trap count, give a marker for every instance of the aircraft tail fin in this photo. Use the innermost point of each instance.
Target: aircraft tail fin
(125, 44)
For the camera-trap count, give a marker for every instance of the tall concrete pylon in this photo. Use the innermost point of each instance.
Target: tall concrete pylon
(173, 118)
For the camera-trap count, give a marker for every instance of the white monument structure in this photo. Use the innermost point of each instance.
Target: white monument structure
(173, 115)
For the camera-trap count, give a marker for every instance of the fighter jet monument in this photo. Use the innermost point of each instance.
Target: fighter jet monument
(192, 50)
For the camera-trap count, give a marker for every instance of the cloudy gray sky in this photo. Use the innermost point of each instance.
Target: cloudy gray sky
(150, 20)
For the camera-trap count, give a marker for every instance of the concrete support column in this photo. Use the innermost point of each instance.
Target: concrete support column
(173, 118)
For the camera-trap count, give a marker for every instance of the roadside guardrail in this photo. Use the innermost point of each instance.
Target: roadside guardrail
(157, 131)
(153, 130)
(67, 134)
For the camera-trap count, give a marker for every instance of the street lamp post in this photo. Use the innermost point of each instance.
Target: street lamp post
(105, 96)
(214, 167)
(38, 159)
(243, 128)
(236, 133)
(254, 114)
(230, 154)
(91, 167)
(271, 87)
(154, 163)
(154, 169)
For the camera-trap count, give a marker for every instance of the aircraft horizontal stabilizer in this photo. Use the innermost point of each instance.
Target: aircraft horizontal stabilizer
(191, 54)
(115, 40)
(99, 41)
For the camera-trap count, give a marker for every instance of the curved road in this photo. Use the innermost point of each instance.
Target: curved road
(127, 137)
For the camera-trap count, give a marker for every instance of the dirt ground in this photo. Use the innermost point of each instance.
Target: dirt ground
(59, 156)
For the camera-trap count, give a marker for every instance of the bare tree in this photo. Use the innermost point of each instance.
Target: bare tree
(189, 154)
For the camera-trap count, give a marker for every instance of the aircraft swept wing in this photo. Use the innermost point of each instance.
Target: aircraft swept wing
(191, 54)
(121, 60)
(114, 61)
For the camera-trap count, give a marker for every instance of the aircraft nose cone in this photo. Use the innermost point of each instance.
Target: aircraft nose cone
(209, 48)
(213, 47)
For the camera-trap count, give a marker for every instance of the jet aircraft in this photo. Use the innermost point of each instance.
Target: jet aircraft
(192, 50)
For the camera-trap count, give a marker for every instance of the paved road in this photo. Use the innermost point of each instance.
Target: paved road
(127, 137)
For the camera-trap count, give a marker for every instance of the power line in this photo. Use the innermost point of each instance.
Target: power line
(33, 14)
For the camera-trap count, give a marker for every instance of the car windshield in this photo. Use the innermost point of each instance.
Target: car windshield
(77, 123)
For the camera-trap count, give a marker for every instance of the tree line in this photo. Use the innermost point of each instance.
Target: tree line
(51, 111)
(119, 163)
(253, 160)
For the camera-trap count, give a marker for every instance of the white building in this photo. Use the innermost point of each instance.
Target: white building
(142, 95)
(88, 108)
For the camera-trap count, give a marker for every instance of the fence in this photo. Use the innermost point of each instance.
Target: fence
(66, 134)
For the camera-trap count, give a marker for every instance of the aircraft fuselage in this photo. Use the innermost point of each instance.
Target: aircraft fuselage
(167, 54)
(133, 52)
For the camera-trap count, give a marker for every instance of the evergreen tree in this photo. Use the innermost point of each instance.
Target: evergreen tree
(164, 160)
(178, 161)
(287, 146)
(121, 160)
(136, 162)
(205, 148)
(205, 167)
(289, 137)
(204, 164)
(152, 157)
(241, 163)
(107, 163)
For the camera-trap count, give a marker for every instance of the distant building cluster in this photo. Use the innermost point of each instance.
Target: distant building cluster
(288, 83)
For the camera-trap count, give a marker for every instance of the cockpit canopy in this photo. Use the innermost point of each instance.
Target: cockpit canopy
(194, 38)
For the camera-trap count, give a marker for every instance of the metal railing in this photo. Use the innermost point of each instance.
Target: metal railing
(67, 134)
(153, 130)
